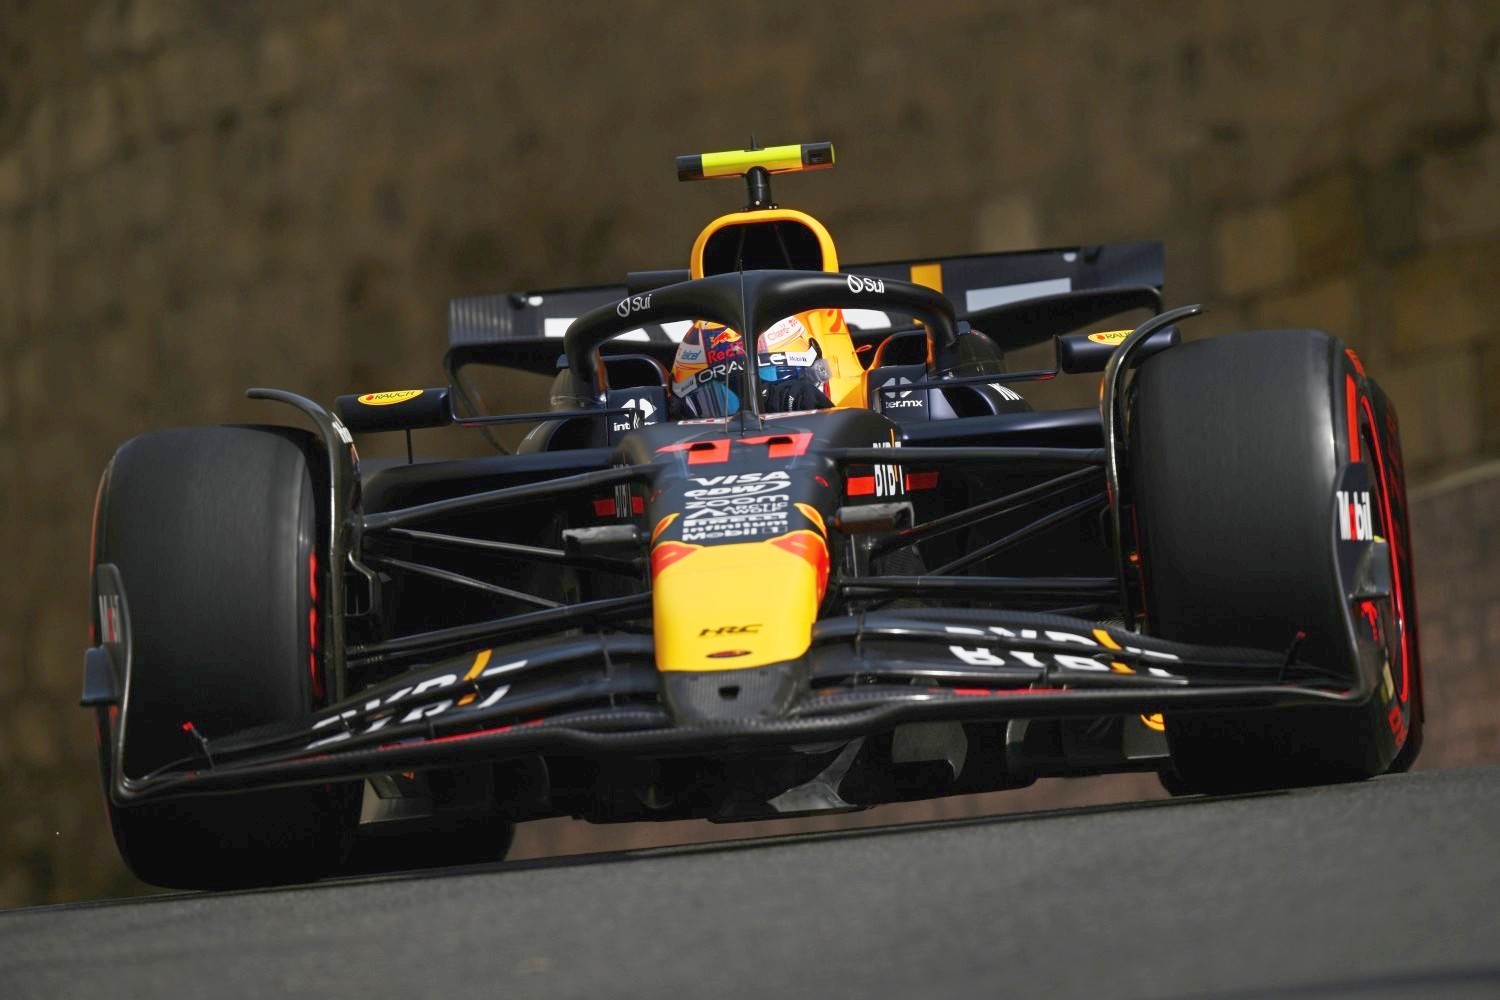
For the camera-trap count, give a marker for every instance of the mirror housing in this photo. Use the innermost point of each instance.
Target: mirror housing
(1090, 352)
(397, 410)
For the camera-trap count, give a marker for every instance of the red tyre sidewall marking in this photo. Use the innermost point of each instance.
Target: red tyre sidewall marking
(1356, 403)
(312, 626)
(1397, 544)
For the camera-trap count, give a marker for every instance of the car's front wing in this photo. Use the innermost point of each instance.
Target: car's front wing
(600, 695)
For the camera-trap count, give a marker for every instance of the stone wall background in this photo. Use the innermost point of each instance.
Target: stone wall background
(198, 197)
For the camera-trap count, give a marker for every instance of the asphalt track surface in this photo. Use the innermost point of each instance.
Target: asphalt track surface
(1389, 888)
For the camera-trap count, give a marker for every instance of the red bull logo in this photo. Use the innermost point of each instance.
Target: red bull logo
(725, 345)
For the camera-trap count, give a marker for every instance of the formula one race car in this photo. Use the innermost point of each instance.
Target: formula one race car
(841, 564)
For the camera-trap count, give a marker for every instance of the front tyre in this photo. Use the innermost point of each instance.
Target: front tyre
(1235, 444)
(214, 532)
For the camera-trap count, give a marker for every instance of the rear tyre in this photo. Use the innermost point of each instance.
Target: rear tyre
(1235, 445)
(214, 532)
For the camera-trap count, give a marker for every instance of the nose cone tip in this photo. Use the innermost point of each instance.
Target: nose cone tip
(709, 697)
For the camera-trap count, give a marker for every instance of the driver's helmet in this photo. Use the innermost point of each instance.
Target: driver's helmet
(707, 372)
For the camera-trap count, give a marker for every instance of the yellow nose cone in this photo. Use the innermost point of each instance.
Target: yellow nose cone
(744, 604)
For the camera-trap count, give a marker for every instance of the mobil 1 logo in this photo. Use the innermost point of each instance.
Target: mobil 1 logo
(1356, 520)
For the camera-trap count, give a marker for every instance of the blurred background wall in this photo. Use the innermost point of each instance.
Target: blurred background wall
(199, 197)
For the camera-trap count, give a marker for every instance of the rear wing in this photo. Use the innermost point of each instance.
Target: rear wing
(525, 329)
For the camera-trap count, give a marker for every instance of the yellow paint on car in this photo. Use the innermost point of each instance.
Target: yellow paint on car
(390, 397)
(930, 275)
(698, 626)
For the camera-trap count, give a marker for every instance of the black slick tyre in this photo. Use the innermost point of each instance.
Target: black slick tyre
(214, 532)
(1235, 444)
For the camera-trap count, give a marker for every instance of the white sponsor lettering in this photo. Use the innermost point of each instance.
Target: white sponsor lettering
(735, 517)
(892, 399)
(718, 372)
(427, 711)
(504, 668)
(701, 518)
(1069, 637)
(738, 489)
(1028, 658)
(494, 696)
(978, 656)
(1152, 653)
(633, 304)
(782, 332)
(716, 532)
(1079, 663)
(789, 359)
(379, 721)
(1356, 522)
(434, 682)
(750, 503)
(644, 407)
(890, 481)
(743, 477)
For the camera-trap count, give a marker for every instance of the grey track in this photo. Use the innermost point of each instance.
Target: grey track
(1389, 888)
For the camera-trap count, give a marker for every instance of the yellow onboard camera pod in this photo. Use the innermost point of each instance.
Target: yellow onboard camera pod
(737, 162)
(756, 166)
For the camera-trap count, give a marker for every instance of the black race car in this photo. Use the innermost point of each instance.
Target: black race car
(689, 594)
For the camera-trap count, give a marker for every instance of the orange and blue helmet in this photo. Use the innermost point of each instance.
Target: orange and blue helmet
(707, 373)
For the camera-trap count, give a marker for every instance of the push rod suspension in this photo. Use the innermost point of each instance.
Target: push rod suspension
(964, 456)
(494, 630)
(508, 495)
(964, 585)
(534, 553)
(983, 511)
(1001, 544)
(459, 579)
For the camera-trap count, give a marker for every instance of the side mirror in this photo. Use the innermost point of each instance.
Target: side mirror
(396, 410)
(1090, 352)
